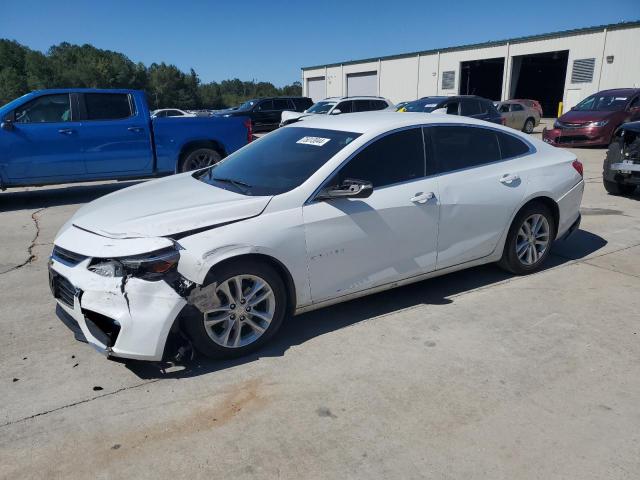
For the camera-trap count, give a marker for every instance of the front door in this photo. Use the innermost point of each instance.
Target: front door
(355, 244)
(482, 181)
(43, 144)
(263, 114)
(115, 136)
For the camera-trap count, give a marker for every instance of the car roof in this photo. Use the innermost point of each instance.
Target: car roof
(381, 121)
(619, 91)
(355, 97)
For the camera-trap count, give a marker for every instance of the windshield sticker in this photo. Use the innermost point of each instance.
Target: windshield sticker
(431, 105)
(315, 141)
(621, 98)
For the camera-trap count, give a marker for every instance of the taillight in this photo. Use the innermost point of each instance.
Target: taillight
(247, 124)
(503, 120)
(579, 167)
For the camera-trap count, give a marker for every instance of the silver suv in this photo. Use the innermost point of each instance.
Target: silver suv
(338, 105)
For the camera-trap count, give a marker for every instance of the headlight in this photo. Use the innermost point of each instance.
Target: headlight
(601, 123)
(149, 266)
(556, 124)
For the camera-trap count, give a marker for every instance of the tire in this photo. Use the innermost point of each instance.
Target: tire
(518, 256)
(614, 155)
(529, 125)
(198, 158)
(234, 332)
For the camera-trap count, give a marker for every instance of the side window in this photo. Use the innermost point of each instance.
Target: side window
(516, 107)
(469, 107)
(45, 109)
(378, 105)
(280, 104)
(361, 106)
(264, 106)
(107, 106)
(635, 103)
(463, 147)
(504, 108)
(510, 146)
(344, 107)
(397, 157)
(452, 108)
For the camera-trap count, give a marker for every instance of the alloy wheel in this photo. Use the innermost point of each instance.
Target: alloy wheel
(201, 159)
(247, 307)
(533, 239)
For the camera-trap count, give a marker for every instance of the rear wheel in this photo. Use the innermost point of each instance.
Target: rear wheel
(199, 158)
(615, 188)
(529, 239)
(252, 305)
(529, 125)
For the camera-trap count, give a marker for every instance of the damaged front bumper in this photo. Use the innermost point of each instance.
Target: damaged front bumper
(127, 319)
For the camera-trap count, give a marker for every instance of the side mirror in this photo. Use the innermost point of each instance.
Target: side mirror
(350, 188)
(336, 111)
(7, 125)
(440, 110)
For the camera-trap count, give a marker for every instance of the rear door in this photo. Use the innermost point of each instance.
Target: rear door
(263, 113)
(279, 106)
(44, 142)
(479, 186)
(115, 134)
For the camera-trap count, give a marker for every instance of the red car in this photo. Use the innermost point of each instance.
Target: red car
(593, 120)
(530, 103)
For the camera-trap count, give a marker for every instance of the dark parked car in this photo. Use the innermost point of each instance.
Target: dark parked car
(265, 113)
(621, 170)
(464, 105)
(594, 120)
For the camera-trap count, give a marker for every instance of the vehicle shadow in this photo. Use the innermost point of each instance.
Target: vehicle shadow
(436, 291)
(44, 197)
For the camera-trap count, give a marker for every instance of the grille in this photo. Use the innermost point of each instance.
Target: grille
(582, 71)
(572, 125)
(67, 257)
(62, 289)
(572, 139)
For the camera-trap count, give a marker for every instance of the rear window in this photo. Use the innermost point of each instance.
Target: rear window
(278, 162)
(107, 106)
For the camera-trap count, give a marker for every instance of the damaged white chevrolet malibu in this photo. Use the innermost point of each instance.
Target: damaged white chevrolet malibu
(310, 215)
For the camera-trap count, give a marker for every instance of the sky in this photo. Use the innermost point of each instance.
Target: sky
(270, 40)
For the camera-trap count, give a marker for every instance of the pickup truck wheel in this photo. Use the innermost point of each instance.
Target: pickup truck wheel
(252, 305)
(199, 158)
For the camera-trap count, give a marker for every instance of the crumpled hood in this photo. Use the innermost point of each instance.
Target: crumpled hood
(165, 207)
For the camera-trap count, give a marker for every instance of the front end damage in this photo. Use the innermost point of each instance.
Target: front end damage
(623, 165)
(125, 304)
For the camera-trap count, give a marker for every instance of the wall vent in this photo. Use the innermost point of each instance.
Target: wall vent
(582, 71)
(448, 80)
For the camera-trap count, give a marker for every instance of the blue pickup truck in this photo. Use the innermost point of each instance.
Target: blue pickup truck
(73, 135)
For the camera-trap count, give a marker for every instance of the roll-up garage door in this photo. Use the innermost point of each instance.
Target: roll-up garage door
(315, 88)
(362, 84)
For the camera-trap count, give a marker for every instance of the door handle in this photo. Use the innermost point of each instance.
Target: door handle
(66, 131)
(423, 197)
(508, 179)
(135, 129)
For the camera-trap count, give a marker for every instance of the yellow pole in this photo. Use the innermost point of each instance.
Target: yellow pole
(559, 109)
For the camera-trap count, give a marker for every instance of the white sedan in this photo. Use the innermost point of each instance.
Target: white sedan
(310, 215)
(171, 112)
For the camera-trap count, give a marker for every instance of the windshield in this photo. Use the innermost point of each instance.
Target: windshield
(320, 107)
(602, 103)
(277, 163)
(248, 105)
(422, 105)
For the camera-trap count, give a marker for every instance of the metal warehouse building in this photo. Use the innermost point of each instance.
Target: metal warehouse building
(551, 68)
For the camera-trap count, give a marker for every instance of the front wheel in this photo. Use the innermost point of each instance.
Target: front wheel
(199, 158)
(252, 304)
(529, 240)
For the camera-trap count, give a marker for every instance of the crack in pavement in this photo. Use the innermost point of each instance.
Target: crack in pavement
(79, 402)
(32, 256)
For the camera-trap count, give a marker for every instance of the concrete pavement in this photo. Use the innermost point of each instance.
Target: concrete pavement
(474, 375)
